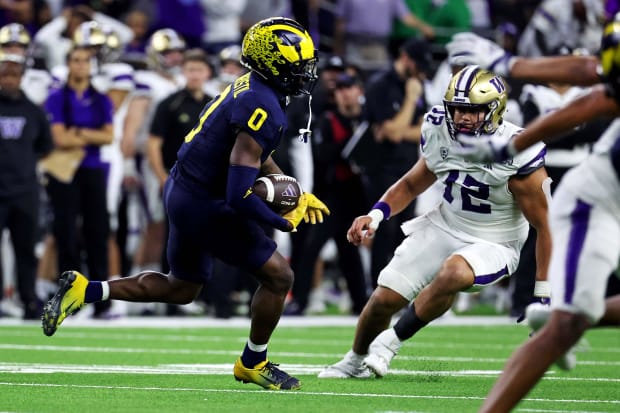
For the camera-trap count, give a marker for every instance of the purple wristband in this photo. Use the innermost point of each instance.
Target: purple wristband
(383, 207)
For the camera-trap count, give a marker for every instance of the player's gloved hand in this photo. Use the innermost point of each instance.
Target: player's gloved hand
(295, 215)
(470, 49)
(485, 148)
(316, 209)
(542, 295)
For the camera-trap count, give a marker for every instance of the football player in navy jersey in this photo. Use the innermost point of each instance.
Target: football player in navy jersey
(210, 204)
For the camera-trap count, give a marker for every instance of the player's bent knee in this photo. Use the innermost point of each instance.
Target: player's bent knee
(454, 275)
(385, 301)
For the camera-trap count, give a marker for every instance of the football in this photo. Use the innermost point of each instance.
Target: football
(280, 192)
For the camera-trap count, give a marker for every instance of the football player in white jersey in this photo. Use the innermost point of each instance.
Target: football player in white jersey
(165, 56)
(471, 240)
(14, 39)
(584, 214)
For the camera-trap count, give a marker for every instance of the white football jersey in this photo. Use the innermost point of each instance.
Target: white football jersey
(156, 87)
(476, 198)
(598, 182)
(114, 76)
(36, 85)
(546, 99)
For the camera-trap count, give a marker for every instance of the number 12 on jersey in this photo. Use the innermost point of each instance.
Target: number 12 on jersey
(472, 192)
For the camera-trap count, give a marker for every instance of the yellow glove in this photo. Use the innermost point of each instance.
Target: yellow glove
(295, 215)
(316, 209)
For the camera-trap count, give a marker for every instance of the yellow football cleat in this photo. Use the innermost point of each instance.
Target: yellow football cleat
(266, 375)
(67, 301)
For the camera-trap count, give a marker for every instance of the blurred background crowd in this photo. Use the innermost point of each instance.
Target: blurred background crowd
(111, 87)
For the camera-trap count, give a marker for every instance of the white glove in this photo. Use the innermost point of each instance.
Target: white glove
(485, 148)
(470, 49)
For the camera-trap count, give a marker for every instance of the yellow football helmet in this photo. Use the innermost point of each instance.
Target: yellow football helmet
(14, 33)
(610, 54)
(89, 34)
(476, 89)
(281, 51)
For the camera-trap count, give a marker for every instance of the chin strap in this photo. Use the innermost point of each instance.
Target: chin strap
(304, 133)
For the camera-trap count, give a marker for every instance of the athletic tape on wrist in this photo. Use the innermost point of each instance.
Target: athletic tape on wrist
(542, 289)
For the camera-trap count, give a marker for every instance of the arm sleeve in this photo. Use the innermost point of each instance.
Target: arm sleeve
(240, 197)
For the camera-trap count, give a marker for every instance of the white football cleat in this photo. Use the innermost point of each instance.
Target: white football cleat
(537, 315)
(381, 352)
(350, 366)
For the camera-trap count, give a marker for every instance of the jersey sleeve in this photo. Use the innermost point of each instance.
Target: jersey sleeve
(531, 159)
(432, 127)
(260, 118)
(142, 86)
(121, 77)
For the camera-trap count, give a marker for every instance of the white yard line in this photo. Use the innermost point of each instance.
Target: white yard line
(226, 369)
(243, 322)
(302, 393)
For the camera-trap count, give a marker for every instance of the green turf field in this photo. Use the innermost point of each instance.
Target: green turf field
(445, 368)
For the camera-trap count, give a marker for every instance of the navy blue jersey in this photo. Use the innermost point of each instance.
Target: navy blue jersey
(248, 105)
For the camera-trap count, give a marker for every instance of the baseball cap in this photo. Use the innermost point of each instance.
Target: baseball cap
(419, 51)
(346, 80)
(333, 62)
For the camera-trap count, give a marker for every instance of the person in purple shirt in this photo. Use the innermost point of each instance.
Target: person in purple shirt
(81, 117)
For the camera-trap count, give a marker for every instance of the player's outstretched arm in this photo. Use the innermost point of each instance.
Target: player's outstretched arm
(393, 201)
(594, 104)
(471, 49)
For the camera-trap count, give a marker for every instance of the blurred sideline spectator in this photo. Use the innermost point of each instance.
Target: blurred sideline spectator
(24, 138)
(186, 17)
(55, 37)
(259, 10)
(363, 28)
(162, 78)
(139, 23)
(342, 188)
(33, 14)
(81, 119)
(14, 39)
(174, 117)
(113, 8)
(222, 24)
(445, 16)
(572, 23)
